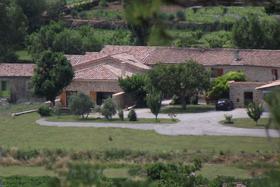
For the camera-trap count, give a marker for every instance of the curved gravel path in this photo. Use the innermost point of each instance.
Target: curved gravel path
(190, 124)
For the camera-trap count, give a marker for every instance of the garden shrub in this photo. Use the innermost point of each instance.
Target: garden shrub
(81, 105)
(220, 87)
(121, 115)
(132, 116)
(108, 108)
(153, 100)
(84, 175)
(176, 174)
(155, 171)
(254, 111)
(44, 111)
(228, 119)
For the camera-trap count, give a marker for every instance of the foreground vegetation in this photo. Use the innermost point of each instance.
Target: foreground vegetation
(32, 150)
(249, 123)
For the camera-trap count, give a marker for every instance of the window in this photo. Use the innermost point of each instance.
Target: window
(4, 85)
(216, 72)
(274, 74)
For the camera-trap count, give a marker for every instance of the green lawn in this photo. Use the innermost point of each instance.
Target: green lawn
(24, 55)
(71, 118)
(24, 133)
(249, 123)
(24, 171)
(190, 109)
(211, 171)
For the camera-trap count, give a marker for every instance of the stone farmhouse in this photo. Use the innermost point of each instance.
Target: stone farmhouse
(15, 83)
(97, 73)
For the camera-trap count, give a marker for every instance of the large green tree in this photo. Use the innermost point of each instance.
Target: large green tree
(12, 29)
(183, 80)
(136, 87)
(53, 72)
(33, 10)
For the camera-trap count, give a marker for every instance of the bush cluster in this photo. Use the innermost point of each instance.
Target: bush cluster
(44, 111)
(81, 105)
(132, 116)
(26, 181)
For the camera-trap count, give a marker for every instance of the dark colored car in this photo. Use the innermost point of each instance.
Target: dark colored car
(224, 104)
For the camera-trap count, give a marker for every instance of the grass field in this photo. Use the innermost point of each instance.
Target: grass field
(23, 55)
(22, 132)
(6, 171)
(249, 123)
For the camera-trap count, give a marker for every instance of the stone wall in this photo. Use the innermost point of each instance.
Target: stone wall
(253, 73)
(20, 88)
(237, 90)
(94, 85)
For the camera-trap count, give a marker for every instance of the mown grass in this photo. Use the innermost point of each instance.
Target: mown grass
(212, 171)
(190, 109)
(249, 123)
(72, 118)
(6, 171)
(22, 132)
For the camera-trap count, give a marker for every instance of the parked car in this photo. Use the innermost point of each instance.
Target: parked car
(224, 104)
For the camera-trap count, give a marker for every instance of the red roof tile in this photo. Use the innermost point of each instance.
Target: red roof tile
(97, 72)
(16, 70)
(76, 60)
(153, 55)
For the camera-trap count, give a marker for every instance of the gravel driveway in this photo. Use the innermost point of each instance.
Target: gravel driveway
(206, 123)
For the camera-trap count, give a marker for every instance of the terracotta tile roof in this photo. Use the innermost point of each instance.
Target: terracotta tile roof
(139, 52)
(269, 85)
(131, 60)
(97, 72)
(16, 70)
(153, 55)
(76, 60)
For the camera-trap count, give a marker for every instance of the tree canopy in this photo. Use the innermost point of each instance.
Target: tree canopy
(253, 33)
(53, 72)
(183, 80)
(58, 38)
(13, 27)
(136, 87)
(220, 88)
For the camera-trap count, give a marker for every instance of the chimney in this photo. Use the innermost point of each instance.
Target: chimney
(237, 55)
